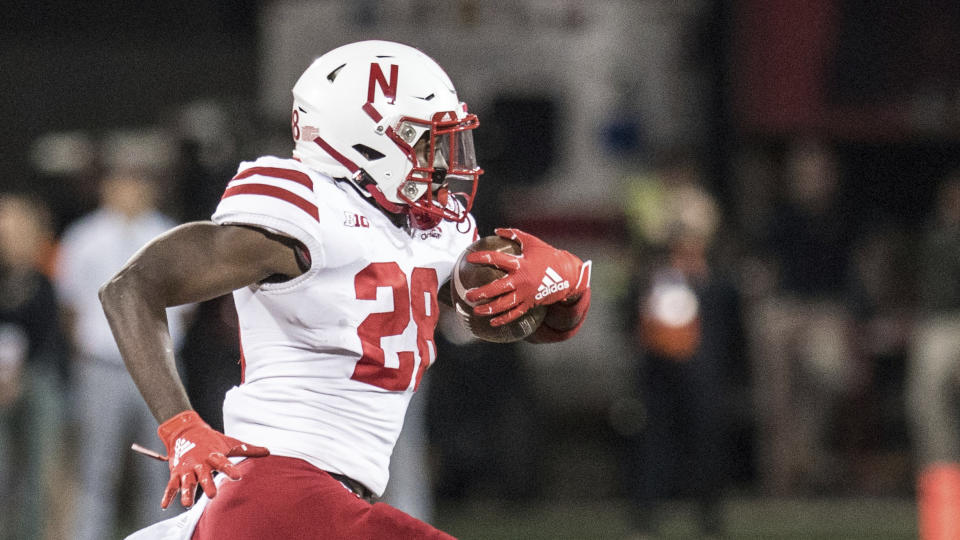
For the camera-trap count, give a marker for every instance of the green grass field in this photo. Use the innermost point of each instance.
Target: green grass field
(820, 519)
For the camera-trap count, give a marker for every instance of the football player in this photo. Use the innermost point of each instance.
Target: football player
(335, 258)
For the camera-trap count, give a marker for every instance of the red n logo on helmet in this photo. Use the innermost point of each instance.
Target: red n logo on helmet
(377, 78)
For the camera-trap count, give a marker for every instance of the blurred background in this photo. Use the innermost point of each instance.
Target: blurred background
(769, 191)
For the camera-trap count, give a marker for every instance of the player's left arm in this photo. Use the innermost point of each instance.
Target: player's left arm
(541, 275)
(563, 319)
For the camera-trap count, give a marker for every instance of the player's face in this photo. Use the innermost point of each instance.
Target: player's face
(422, 150)
(445, 159)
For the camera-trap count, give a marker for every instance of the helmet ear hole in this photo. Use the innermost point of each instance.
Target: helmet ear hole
(368, 153)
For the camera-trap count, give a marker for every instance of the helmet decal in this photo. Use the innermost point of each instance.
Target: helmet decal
(378, 79)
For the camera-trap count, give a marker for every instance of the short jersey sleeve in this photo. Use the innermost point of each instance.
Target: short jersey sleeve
(277, 195)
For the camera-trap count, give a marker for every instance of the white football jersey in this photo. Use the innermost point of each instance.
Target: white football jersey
(332, 357)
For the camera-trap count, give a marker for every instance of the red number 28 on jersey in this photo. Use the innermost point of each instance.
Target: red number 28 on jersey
(417, 301)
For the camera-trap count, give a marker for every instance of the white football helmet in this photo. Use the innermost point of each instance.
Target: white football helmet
(386, 116)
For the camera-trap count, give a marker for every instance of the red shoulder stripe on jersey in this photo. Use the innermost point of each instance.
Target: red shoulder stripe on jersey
(351, 166)
(277, 172)
(273, 191)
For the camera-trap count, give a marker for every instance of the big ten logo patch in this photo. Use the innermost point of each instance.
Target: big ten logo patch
(355, 220)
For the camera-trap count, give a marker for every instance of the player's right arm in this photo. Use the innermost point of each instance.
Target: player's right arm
(190, 263)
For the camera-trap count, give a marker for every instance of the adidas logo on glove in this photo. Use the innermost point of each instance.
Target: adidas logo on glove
(181, 447)
(552, 282)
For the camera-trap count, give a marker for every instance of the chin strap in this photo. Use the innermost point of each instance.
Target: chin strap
(370, 187)
(381, 199)
(419, 219)
(424, 220)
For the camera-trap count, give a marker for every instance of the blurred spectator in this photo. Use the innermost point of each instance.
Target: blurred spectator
(669, 195)
(65, 166)
(808, 240)
(32, 362)
(799, 331)
(933, 400)
(110, 412)
(685, 314)
(870, 427)
(206, 132)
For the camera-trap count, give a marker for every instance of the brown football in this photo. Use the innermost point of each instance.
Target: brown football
(467, 276)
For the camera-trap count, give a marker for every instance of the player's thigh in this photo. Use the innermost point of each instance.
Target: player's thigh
(280, 497)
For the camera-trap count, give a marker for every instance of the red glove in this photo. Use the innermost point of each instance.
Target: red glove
(194, 451)
(540, 275)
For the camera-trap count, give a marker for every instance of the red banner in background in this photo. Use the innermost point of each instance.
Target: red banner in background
(796, 67)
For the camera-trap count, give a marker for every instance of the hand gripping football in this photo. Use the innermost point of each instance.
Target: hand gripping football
(468, 275)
